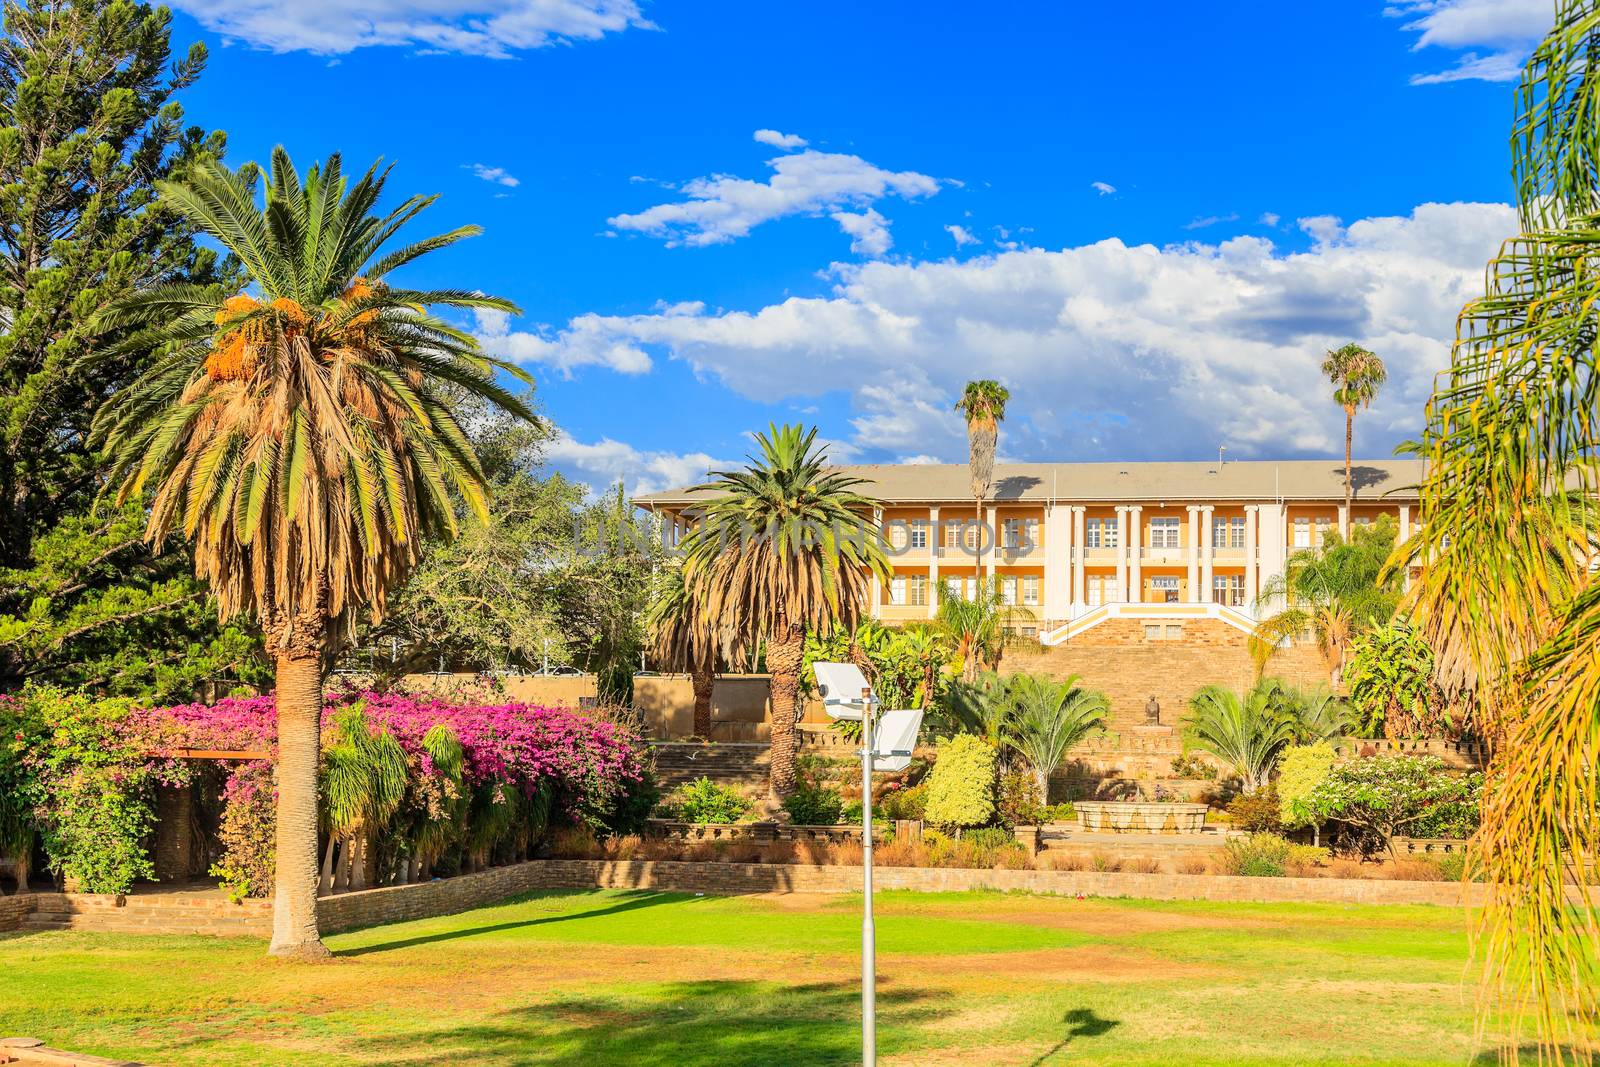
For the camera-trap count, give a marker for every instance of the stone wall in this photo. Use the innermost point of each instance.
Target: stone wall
(14, 909)
(1116, 658)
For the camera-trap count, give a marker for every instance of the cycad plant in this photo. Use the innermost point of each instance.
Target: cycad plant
(297, 433)
(786, 545)
(984, 405)
(1048, 718)
(1356, 375)
(981, 707)
(1508, 596)
(1246, 732)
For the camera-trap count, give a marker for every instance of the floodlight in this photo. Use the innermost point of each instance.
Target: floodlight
(841, 686)
(896, 737)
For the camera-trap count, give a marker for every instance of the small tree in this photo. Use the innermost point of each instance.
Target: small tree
(961, 784)
(1383, 797)
(1301, 770)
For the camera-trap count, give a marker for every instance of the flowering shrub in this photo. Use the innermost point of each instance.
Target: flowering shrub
(86, 772)
(1381, 797)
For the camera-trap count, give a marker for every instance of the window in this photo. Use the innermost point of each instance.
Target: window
(1302, 532)
(1008, 591)
(1164, 533)
(1030, 589)
(952, 587)
(1228, 589)
(1101, 533)
(1020, 533)
(1155, 631)
(919, 535)
(919, 591)
(896, 531)
(961, 533)
(1102, 589)
(897, 591)
(1228, 533)
(1165, 588)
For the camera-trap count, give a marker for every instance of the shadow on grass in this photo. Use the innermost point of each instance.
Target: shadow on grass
(711, 1023)
(1570, 1057)
(631, 902)
(1080, 1022)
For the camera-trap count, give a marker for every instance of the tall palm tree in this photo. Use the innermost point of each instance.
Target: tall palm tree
(682, 640)
(983, 402)
(786, 545)
(295, 432)
(1336, 592)
(1047, 719)
(978, 628)
(1355, 374)
(1508, 596)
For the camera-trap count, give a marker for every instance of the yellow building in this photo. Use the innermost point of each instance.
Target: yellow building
(1080, 544)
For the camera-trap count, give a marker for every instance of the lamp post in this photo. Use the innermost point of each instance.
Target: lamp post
(886, 744)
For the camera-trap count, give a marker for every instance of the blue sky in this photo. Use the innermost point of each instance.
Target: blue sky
(715, 215)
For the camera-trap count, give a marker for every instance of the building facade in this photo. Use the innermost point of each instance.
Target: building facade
(1080, 544)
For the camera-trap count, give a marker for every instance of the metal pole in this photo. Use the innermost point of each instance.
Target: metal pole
(869, 970)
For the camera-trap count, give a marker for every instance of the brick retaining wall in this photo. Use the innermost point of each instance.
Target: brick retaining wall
(14, 909)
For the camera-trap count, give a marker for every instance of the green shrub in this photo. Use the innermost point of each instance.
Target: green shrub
(908, 803)
(1382, 797)
(1301, 770)
(704, 801)
(1256, 812)
(1058, 813)
(961, 785)
(1265, 855)
(1019, 802)
(814, 806)
(1193, 767)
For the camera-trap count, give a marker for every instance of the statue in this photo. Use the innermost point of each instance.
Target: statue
(1152, 712)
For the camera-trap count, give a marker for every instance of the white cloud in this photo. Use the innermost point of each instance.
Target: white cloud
(868, 231)
(1209, 220)
(780, 140)
(1110, 350)
(1103, 188)
(962, 236)
(491, 28)
(1269, 218)
(1508, 29)
(497, 175)
(722, 208)
(586, 341)
(603, 463)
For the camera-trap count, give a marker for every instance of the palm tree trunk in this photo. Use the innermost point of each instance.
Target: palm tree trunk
(299, 700)
(785, 657)
(703, 682)
(1349, 438)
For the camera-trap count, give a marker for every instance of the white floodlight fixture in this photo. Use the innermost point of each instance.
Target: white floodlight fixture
(896, 737)
(843, 688)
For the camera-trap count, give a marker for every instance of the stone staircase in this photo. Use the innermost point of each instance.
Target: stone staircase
(742, 766)
(165, 911)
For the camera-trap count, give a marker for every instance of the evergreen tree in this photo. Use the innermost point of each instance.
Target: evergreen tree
(88, 123)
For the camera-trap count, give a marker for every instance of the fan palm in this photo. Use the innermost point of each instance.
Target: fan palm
(978, 628)
(984, 405)
(296, 434)
(1246, 733)
(1507, 595)
(787, 545)
(1356, 375)
(682, 640)
(1336, 593)
(1047, 719)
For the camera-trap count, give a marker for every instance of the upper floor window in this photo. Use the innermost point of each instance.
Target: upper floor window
(1020, 533)
(919, 535)
(1228, 533)
(1165, 532)
(1100, 533)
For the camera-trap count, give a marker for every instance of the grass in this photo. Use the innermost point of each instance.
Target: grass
(658, 979)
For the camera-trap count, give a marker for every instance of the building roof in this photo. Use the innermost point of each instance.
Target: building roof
(1376, 480)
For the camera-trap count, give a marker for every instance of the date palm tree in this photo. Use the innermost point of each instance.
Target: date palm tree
(296, 433)
(1356, 374)
(1508, 595)
(786, 545)
(682, 640)
(984, 404)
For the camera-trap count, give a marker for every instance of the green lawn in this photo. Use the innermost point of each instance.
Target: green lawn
(665, 979)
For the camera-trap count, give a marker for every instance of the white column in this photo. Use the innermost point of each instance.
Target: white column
(1079, 594)
(1122, 551)
(1208, 554)
(935, 541)
(994, 543)
(1251, 518)
(1135, 550)
(1344, 522)
(1193, 552)
(877, 584)
(1057, 548)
